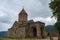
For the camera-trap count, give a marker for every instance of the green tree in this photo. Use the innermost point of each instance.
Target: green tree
(55, 7)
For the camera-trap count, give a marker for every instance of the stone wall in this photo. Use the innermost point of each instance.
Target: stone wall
(24, 28)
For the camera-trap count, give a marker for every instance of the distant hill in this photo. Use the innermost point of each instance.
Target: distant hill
(3, 33)
(50, 28)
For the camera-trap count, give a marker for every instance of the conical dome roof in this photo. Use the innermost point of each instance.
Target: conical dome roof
(23, 12)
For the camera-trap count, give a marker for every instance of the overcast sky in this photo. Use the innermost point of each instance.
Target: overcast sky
(38, 10)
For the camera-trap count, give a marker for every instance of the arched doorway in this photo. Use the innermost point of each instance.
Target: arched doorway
(42, 32)
(34, 32)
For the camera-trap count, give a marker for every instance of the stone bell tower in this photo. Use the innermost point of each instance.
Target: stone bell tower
(22, 16)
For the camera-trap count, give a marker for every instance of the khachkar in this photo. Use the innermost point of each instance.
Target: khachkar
(24, 28)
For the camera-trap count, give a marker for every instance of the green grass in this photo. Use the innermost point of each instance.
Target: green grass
(15, 38)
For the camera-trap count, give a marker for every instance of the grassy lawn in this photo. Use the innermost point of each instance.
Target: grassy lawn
(18, 39)
(10, 38)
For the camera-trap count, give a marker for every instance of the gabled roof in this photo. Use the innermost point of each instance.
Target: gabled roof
(23, 12)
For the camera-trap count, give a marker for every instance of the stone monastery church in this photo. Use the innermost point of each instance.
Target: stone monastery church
(24, 28)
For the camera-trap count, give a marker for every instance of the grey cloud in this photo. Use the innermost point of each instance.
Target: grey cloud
(11, 8)
(38, 8)
(5, 19)
(44, 2)
(4, 26)
(34, 8)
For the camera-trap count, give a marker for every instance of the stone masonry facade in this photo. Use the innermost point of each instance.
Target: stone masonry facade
(24, 28)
